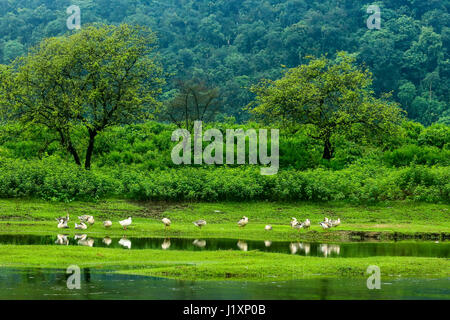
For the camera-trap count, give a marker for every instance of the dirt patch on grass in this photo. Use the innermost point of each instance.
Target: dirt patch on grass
(155, 209)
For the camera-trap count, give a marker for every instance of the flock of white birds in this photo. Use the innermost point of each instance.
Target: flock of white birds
(85, 220)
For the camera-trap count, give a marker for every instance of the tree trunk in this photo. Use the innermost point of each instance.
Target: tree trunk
(90, 149)
(67, 143)
(327, 149)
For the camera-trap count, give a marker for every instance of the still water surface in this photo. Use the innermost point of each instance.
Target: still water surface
(95, 284)
(342, 249)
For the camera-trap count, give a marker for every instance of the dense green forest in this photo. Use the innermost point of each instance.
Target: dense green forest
(90, 114)
(232, 44)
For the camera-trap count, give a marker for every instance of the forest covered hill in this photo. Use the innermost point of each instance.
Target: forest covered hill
(232, 44)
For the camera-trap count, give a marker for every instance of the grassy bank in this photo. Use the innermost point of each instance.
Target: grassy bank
(401, 218)
(214, 265)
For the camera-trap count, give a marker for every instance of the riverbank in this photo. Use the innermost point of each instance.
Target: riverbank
(383, 221)
(217, 265)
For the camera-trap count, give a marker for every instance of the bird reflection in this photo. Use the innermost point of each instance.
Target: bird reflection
(305, 247)
(166, 244)
(124, 242)
(267, 243)
(199, 243)
(328, 249)
(107, 241)
(242, 245)
(62, 239)
(293, 247)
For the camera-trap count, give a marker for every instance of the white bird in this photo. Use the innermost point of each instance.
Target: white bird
(107, 241)
(307, 224)
(242, 245)
(62, 223)
(166, 222)
(324, 225)
(243, 222)
(107, 223)
(299, 226)
(81, 226)
(125, 223)
(268, 227)
(267, 243)
(335, 223)
(200, 223)
(294, 222)
(124, 242)
(166, 244)
(199, 243)
(87, 218)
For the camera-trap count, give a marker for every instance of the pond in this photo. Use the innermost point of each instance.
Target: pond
(342, 249)
(97, 284)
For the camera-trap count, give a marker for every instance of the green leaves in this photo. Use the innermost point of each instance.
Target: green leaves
(97, 77)
(332, 96)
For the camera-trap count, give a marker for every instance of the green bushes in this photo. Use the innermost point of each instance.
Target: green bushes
(50, 179)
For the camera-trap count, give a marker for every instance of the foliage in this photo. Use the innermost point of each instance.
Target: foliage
(96, 78)
(331, 96)
(235, 43)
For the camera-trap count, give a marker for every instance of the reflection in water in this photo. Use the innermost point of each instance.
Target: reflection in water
(107, 240)
(305, 247)
(199, 243)
(242, 245)
(80, 236)
(62, 239)
(86, 242)
(343, 249)
(124, 242)
(166, 244)
(95, 284)
(328, 249)
(293, 247)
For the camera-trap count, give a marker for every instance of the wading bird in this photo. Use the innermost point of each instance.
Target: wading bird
(200, 223)
(324, 225)
(294, 222)
(81, 226)
(307, 224)
(87, 219)
(62, 223)
(243, 222)
(125, 223)
(268, 227)
(335, 223)
(166, 222)
(107, 223)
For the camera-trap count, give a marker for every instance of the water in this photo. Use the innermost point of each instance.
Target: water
(343, 249)
(97, 284)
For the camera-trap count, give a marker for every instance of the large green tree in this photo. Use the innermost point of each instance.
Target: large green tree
(330, 97)
(95, 78)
